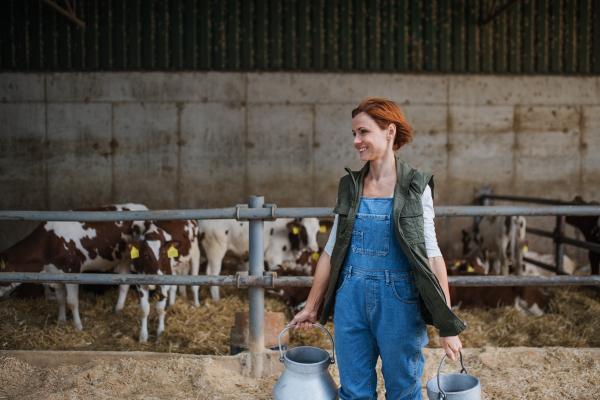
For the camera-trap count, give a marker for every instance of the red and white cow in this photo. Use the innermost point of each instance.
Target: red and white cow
(492, 238)
(590, 227)
(166, 248)
(220, 236)
(526, 299)
(74, 247)
(304, 265)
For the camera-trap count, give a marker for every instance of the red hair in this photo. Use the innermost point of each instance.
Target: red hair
(384, 113)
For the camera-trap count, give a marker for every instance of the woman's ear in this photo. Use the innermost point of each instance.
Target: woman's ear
(391, 132)
(392, 129)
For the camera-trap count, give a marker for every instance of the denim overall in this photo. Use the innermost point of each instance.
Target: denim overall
(377, 311)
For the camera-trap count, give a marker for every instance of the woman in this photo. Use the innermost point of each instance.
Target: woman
(382, 271)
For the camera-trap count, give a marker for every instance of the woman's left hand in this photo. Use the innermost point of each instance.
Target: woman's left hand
(452, 345)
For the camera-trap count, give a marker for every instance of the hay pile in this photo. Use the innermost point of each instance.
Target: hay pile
(31, 324)
(550, 373)
(572, 321)
(177, 378)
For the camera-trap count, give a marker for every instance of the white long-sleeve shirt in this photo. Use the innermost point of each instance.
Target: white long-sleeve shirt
(428, 215)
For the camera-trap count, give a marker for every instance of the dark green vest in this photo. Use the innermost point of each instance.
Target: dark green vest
(408, 210)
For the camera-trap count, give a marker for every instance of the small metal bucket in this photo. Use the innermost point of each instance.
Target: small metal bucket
(460, 386)
(306, 375)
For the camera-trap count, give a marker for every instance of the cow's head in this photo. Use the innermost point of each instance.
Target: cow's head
(296, 233)
(303, 233)
(153, 254)
(312, 227)
(473, 248)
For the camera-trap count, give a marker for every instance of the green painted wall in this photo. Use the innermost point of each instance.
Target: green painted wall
(533, 36)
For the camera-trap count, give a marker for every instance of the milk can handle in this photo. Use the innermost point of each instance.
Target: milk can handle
(442, 394)
(331, 359)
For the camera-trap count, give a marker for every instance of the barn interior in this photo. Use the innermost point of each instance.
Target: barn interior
(192, 104)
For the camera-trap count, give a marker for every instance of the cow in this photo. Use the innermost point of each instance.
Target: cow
(74, 247)
(528, 300)
(220, 236)
(590, 228)
(304, 265)
(492, 238)
(166, 248)
(549, 259)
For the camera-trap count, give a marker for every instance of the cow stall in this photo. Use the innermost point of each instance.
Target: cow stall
(24, 320)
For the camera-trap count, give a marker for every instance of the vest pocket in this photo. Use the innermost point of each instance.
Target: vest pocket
(406, 291)
(411, 222)
(371, 235)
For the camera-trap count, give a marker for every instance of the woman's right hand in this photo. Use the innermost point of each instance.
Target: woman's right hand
(304, 319)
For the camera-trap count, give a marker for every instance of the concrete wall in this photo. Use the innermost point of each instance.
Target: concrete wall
(197, 140)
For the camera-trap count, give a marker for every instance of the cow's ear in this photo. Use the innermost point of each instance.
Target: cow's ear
(328, 224)
(174, 243)
(293, 227)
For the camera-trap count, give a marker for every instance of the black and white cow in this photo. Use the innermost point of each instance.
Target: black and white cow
(492, 238)
(220, 236)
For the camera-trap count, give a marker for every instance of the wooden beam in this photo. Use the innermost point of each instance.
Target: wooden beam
(495, 15)
(64, 12)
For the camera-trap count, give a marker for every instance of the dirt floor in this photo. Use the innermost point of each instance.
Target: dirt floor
(572, 321)
(521, 373)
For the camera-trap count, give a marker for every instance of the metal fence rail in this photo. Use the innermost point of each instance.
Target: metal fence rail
(268, 212)
(241, 281)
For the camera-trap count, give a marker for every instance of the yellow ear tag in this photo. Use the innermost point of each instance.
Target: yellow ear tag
(323, 229)
(470, 269)
(135, 253)
(172, 252)
(2, 265)
(296, 230)
(315, 256)
(457, 264)
(525, 249)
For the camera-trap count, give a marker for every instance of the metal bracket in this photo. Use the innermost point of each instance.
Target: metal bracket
(273, 208)
(237, 211)
(238, 275)
(272, 274)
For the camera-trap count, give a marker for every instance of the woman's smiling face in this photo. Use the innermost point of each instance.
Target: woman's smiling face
(370, 140)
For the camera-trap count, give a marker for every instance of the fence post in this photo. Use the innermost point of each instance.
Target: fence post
(257, 294)
(559, 233)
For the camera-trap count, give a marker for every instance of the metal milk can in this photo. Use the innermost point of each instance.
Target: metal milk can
(460, 386)
(306, 375)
